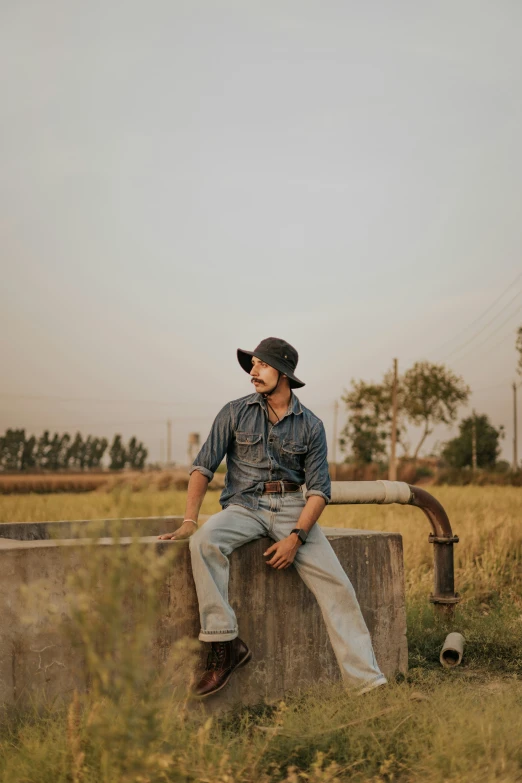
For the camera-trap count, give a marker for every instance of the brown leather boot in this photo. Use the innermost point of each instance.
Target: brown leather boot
(223, 659)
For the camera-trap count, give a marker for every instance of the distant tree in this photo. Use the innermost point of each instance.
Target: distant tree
(28, 460)
(11, 449)
(18, 452)
(141, 457)
(117, 454)
(63, 451)
(53, 453)
(503, 466)
(85, 459)
(75, 452)
(368, 428)
(432, 395)
(42, 450)
(427, 395)
(93, 450)
(136, 454)
(458, 451)
(97, 450)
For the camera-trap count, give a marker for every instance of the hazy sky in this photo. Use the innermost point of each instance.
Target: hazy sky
(179, 179)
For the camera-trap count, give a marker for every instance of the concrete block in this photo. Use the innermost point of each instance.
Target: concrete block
(278, 616)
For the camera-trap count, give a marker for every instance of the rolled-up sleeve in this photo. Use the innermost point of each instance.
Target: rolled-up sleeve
(215, 447)
(317, 477)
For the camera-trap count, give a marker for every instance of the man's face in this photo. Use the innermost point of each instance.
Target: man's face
(264, 377)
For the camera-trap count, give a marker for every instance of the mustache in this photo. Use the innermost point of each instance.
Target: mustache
(256, 380)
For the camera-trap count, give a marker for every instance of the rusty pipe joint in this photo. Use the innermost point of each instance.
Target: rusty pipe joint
(442, 537)
(444, 594)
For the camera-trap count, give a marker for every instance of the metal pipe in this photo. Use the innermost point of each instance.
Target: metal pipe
(442, 538)
(382, 492)
(370, 492)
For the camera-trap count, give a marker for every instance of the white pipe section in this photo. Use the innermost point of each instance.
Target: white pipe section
(452, 650)
(370, 492)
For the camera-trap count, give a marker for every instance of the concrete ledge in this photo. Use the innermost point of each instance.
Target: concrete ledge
(64, 529)
(278, 616)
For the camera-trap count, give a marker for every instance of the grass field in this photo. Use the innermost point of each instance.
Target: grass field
(102, 481)
(433, 725)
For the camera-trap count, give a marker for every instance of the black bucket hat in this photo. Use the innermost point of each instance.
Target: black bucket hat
(278, 354)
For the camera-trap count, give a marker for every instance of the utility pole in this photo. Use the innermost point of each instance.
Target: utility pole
(334, 449)
(392, 471)
(192, 446)
(169, 441)
(162, 451)
(515, 450)
(474, 442)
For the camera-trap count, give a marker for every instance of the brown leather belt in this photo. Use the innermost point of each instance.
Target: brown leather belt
(278, 486)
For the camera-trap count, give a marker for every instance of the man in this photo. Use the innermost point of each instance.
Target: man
(273, 445)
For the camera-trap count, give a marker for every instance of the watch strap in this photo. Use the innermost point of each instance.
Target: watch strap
(301, 534)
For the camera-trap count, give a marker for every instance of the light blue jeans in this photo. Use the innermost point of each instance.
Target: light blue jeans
(316, 563)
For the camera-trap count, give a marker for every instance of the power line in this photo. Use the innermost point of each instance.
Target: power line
(499, 342)
(486, 311)
(470, 340)
(492, 334)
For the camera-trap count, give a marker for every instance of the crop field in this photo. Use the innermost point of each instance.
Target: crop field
(102, 481)
(431, 725)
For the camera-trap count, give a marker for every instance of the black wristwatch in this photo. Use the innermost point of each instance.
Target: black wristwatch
(301, 534)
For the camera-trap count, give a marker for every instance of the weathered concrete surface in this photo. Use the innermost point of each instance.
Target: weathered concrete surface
(37, 531)
(278, 616)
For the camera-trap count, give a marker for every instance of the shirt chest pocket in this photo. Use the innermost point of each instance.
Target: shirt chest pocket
(249, 447)
(293, 454)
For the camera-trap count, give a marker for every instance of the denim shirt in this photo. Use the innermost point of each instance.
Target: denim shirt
(292, 449)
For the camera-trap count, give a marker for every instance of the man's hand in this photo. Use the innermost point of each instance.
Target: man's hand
(185, 531)
(283, 552)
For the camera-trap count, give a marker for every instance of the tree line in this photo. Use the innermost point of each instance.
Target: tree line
(21, 452)
(427, 395)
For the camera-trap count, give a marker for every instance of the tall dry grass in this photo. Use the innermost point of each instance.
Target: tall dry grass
(120, 502)
(485, 518)
(100, 481)
(434, 725)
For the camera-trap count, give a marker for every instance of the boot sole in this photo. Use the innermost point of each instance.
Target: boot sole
(246, 658)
